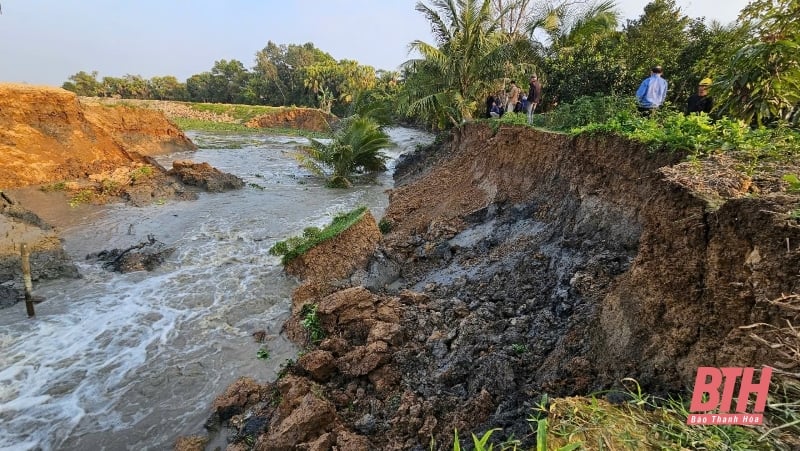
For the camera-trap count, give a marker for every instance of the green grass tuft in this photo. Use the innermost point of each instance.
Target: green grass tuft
(294, 247)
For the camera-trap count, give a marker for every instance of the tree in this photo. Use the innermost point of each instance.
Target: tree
(166, 88)
(228, 79)
(84, 84)
(762, 82)
(448, 83)
(281, 70)
(584, 53)
(356, 147)
(657, 37)
(342, 82)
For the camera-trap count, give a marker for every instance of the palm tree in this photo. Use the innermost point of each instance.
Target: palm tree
(356, 147)
(449, 81)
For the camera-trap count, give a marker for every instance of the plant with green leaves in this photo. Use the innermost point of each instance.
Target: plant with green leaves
(762, 81)
(356, 147)
(448, 84)
(311, 323)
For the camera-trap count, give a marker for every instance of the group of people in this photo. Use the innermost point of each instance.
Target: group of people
(650, 96)
(516, 101)
(653, 91)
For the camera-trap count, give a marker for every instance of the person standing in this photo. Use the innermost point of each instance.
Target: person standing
(513, 97)
(534, 96)
(652, 91)
(701, 101)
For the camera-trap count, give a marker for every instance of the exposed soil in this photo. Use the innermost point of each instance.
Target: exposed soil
(82, 153)
(311, 119)
(295, 118)
(524, 263)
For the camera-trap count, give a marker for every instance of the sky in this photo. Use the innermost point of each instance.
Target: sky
(44, 42)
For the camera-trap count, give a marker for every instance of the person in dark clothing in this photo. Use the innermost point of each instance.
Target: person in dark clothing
(534, 96)
(701, 101)
(489, 102)
(495, 112)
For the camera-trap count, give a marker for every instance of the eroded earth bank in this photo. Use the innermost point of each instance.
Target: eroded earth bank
(517, 264)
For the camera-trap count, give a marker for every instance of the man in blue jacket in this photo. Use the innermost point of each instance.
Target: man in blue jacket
(652, 92)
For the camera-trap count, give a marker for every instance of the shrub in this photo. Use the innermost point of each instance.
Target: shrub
(355, 147)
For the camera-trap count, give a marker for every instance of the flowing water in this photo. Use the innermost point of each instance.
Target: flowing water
(132, 361)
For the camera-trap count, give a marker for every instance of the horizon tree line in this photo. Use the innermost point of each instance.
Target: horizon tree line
(577, 48)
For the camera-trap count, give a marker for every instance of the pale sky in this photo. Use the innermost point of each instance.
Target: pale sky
(46, 41)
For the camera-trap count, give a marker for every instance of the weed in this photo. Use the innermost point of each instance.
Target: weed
(793, 181)
(519, 348)
(83, 196)
(311, 323)
(141, 173)
(385, 226)
(285, 368)
(256, 186)
(263, 353)
(110, 187)
(58, 186)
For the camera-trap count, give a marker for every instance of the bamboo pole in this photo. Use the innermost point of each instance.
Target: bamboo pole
(26, 276)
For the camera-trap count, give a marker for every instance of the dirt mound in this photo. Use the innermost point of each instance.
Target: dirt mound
(301, 118)
(47, 135)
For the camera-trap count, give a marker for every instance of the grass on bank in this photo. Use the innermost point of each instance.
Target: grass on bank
(294, 247)
(698, 135)
(187, 124)
(240, 113)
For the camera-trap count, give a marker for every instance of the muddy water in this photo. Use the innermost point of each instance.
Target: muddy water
(133, 361)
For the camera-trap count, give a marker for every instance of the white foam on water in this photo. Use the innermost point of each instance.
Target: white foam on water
(133, 360)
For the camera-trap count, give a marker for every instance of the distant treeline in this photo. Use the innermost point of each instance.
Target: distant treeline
(577, 49)
(283, 75)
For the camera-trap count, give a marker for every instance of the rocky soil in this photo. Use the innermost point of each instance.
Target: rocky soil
(522, 263)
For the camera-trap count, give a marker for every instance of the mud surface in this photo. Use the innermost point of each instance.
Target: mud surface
(522, 263)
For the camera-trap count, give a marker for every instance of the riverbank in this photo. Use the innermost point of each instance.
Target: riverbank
(522, 263)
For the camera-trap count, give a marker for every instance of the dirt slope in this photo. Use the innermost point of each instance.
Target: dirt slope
(521, 263)
(48, 135)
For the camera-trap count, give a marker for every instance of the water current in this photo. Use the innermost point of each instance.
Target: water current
(132, 361)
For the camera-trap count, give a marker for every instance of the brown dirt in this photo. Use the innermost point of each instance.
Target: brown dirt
(47, 135)
(296, 118)
(89, 152)
(580, 264)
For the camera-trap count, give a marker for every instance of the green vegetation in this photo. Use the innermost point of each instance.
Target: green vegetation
(263, 353)
(209, 126)
(58, 186)
(296, 246)
(385, 226)
(311, 324)
(356, 147)
(140, 173)
(642, 422)
(83, 196)
(240, 113)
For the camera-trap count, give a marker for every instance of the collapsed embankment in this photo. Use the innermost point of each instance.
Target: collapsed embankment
(521, 263)
(96, 153)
